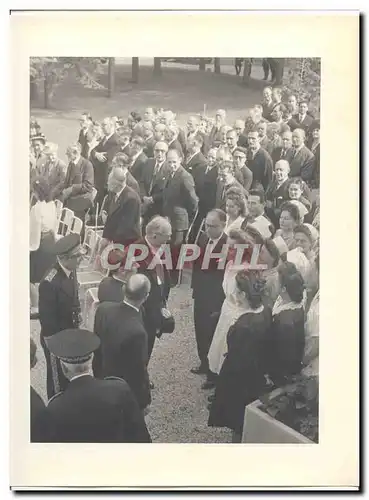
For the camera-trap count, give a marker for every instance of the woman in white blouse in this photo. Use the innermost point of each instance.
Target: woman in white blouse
(236, 209)
(43, 220)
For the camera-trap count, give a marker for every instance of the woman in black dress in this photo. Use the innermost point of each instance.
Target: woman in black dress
(287, 336)
(241, 379)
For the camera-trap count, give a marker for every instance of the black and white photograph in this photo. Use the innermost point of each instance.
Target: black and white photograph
(174, 248)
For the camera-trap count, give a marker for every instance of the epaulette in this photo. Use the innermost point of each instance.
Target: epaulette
(114, 378)
(51, 275)
(55, 396)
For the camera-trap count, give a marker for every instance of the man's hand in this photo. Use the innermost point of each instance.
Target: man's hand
(100, 156)
(104, 216)
(269, 204)
(166, 313)
(147, 200)
(67, 193)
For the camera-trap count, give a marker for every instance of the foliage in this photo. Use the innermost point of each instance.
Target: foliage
(302, 78)
(52, 71)
(296, 405)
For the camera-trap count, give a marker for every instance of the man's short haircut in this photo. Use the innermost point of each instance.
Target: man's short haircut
(199, 140)
(74, 147)
(137, 287)
(179, 153)
(300, 131)
(219, 213)
(155, 225)
(87, 115)
(232, 131)
(259, 193)
(304, 101)
(240, 149)
(139, 141)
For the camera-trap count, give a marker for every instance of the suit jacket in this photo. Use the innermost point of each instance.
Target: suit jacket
(53, 173)
(149, 148)
(80, 178)
(267, 110)
(244, 177)
(138, 167)
(207, 284)
(204, 148)
(315, 181)
(123, 222)
(102, 168)
(123, 351)
(214, 135)
(280, 153)
(84, 139)
(182, 139)
(159, 292)
(305, 124)
(196, 167)
(176, 145)
(96, 411)
(302, 164)
(59, 305)
(261, 167)
(180, 199)
(132, 183)
(243, 141)
(207, 191)
(153, 185)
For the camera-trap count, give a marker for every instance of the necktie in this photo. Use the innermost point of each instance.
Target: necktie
(283, 153)
(293, 153)
(155, 173)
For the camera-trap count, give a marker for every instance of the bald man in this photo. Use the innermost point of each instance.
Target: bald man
(123, 351)
(123, 209)
(102, 156)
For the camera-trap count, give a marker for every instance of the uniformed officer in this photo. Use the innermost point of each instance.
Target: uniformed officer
(59, 306)
(90, 410)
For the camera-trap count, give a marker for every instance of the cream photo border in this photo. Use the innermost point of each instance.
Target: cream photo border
(334, 37)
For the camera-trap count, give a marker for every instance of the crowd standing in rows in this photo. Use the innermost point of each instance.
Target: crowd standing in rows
(252, 182)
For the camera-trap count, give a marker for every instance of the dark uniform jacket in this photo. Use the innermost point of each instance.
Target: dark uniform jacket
(59, 305)
(123, 222)
(96, 411)
(123, 351)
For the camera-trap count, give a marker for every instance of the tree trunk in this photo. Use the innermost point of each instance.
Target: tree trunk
(111, 74)
(135, 69)
(33, 89)
(202, 65)
(279, 71)
(46, 93)
(246, 70)
(157, 66)
(216, 65)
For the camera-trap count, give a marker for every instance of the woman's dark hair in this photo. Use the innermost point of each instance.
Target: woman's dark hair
(292, 280)
(273, 250)
(298, 181)
(238, 235)
(238, 199)
(250, 282)
(42, 189)
(293, 210)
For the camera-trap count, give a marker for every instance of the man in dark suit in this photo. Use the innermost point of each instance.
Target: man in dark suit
(137, 157)
(193, 129)
(123, 350)
(277, 192)
(123, 208)
(59, 306)
(102, 156)
(303, 119)
(239, 127)
(232, 140)
(264, 141)
(226, 180)
(301, 159)
(85, 134)
(195, 162)
(76, 190)
(91, 410)
(54, 170)
(215, 133)
(179, 197)
(171, 138)
(207, 286)
(259, 162)
(242, 173)
(283, 152)
(148, 135)
(154, 179)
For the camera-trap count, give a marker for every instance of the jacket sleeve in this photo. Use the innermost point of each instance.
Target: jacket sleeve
(307, 168)
(87, 180)
(48, 308)
(191, 200)
(268, 173)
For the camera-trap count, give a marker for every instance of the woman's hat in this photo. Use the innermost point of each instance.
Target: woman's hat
(39, 137)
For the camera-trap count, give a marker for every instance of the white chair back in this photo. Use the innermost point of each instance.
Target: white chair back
(91, 303)
(59, 208)
(90, 245)
(65, 222)
(76, 226)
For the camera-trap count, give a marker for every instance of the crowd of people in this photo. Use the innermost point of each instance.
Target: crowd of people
(254, 182)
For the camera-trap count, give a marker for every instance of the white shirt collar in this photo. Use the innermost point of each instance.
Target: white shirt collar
(153, 249)
(215, 242)
(118, 194)
(107, 137)
(67, 271)
(131, 305)
(89, 374)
